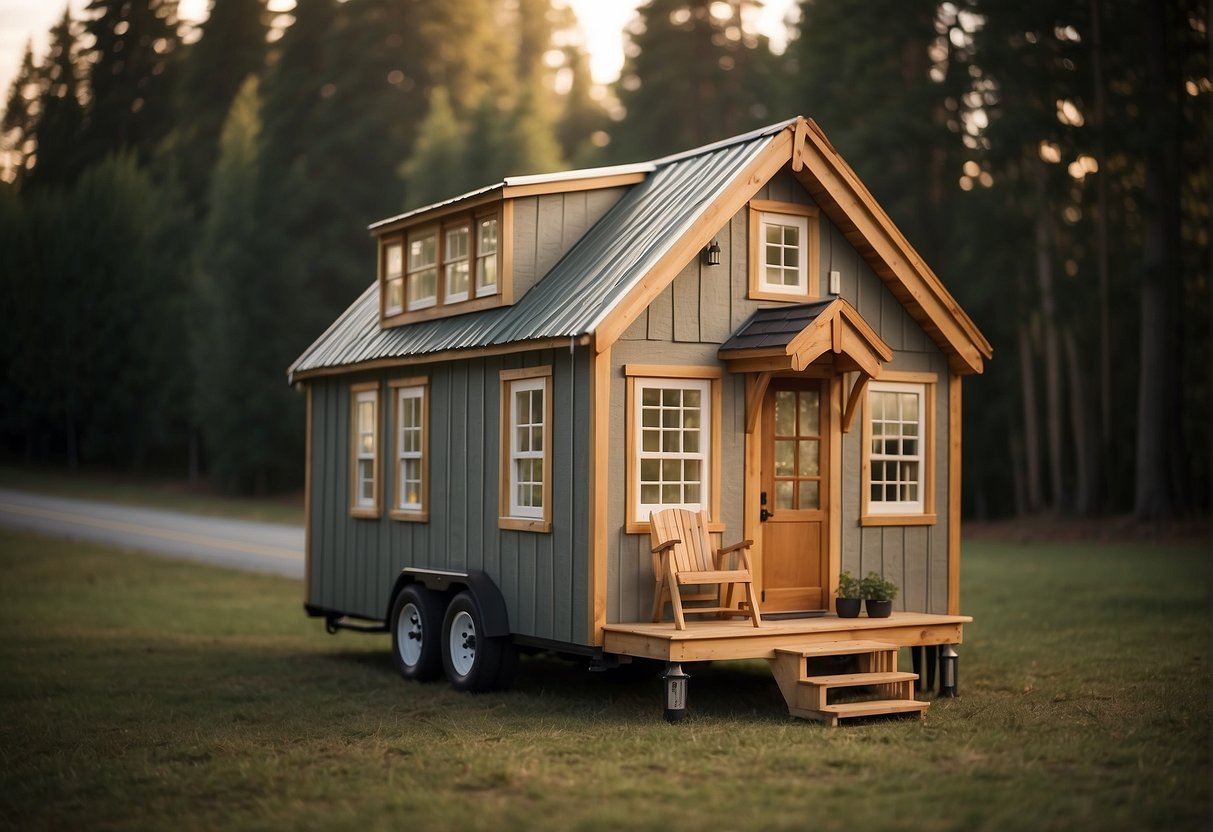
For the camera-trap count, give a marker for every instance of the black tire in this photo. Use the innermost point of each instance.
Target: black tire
(473, 662)
(416, 625)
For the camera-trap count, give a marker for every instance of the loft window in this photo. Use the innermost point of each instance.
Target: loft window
(423, 269)
(783, 251)
(443, 268)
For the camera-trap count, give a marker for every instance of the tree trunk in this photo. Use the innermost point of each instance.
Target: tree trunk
(1031, 428)
(1083, 426)
(1157, 415)
(1052, 345)
(1104, 445)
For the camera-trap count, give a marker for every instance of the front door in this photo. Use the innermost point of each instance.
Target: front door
(795, 480)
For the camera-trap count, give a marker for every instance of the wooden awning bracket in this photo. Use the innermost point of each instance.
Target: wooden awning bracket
(757, 384)
(857, 390)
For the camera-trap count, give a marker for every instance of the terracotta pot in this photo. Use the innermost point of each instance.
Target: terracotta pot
(878, 609)
(847, 607)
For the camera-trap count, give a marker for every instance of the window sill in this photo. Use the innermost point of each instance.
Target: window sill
(365, 513)
(410, 516)
(525, 524)
(785, 297)
(898, 520)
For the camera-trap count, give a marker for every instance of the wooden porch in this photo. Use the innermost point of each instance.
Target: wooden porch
(721, 640)
(791, 645)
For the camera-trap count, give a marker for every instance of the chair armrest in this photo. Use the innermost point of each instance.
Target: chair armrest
(745, 544)
(669, 544)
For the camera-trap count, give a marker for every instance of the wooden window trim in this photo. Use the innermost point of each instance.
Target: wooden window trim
(635, 524)
(396, 512)
(383, 284)
(928, 516)
(758, 207)
(421, 233)
(442, 307)
(505, 520)
(365, 512)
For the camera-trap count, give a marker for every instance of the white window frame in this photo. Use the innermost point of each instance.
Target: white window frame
(360, 505)
(483, 255)
(707, 381)
(410, 272)
(676, 410)
(451, 265)
(513, 514)
(800, 288)
(900, 506)
(407, 390)
(393, 276)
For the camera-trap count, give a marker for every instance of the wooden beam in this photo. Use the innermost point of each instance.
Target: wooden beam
(564, 186)
(857, 390)
(954, 429)
(756, 385)
(600, 454)
(798, 140)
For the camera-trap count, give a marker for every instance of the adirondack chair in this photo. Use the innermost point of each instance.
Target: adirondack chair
(683, 555)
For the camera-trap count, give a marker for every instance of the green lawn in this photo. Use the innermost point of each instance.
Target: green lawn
(140, 693)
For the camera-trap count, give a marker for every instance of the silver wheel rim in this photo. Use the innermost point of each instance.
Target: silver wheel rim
(463, 643)
(409, 634)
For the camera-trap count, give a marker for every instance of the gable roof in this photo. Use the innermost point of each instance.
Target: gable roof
(631, 254)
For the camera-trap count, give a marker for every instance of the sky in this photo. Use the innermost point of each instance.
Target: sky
(602, 20)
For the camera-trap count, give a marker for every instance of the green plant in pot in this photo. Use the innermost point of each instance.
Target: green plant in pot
(878, 595)
(849, 596)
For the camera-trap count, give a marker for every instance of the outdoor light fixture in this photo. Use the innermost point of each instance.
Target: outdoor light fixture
(948, 661)
(713, 254)
(675, 692)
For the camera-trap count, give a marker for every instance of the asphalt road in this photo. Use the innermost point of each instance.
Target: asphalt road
(240, 544)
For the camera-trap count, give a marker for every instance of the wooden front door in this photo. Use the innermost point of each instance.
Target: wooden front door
(795, 480)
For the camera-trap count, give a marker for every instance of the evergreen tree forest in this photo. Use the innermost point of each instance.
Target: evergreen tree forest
(184, 206)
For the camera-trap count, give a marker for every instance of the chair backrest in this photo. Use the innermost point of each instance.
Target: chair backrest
(694, 554)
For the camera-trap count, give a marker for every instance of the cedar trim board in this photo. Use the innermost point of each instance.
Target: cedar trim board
(725, 640)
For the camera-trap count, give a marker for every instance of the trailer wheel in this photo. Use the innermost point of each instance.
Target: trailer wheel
(474, 662)
(416, 624)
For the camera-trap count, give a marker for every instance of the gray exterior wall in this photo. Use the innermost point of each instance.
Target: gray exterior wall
(544, 577)
(702, 307)
(545, 228)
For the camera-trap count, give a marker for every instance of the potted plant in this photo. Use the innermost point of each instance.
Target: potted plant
(878, 595)
(849, 598)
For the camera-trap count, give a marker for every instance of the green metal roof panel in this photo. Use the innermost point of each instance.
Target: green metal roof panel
(580, 290)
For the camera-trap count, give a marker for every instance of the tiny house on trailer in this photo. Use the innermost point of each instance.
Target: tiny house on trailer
(542, 364)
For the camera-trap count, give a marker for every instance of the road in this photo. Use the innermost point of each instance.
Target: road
(240, 544)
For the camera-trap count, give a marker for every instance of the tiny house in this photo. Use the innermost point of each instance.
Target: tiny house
(541, 364)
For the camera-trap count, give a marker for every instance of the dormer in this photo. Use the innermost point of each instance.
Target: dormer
(487, 248)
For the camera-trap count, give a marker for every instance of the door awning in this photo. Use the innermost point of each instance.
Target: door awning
(790, 338)
(793, 337)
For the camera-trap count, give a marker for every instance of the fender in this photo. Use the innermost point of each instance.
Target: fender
(493, 610)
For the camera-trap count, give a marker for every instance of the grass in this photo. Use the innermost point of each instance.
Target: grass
(140, 693)
(150, 492)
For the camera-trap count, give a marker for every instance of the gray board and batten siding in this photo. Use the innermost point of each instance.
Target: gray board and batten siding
(543, 577)
(699, 311)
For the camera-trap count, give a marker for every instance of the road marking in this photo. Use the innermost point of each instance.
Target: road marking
(151, 531)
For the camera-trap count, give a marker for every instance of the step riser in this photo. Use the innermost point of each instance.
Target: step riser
(807, 697)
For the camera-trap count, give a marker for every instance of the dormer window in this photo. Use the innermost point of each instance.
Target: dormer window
(423, 269)
(445, 266)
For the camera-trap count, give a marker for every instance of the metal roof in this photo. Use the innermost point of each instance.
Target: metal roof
(580, 290)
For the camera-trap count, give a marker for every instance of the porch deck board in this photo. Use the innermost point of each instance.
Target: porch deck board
(719, 640)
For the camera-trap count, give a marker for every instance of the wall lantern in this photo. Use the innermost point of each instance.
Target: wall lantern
(675, 692)
(948, 671)
(713, 254)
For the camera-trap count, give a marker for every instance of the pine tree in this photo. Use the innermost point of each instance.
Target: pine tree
(61, 115)
(693, 75)
(231, 47)
(132, 70)
(251, 421)
(438, 168)
(21, 119)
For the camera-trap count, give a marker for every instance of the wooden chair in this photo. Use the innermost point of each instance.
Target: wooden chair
(683, 555)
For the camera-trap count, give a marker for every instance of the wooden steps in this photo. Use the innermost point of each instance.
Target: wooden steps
(808, 697)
